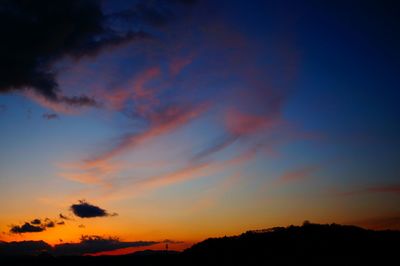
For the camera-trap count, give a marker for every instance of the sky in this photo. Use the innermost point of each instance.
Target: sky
(140, 123)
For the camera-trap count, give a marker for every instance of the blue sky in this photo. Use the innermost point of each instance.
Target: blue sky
(267, 113)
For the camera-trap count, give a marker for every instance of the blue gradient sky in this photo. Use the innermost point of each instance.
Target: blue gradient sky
(235, 115)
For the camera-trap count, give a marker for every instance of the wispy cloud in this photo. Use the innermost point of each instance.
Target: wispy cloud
(384, 189)
(161, 123)
(299, 174)
(390, 221)
(50, 116)
(189, 172)
(222, 75)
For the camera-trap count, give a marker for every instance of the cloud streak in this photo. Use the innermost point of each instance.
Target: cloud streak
(94, 244)
(384, 189)
(165, 121)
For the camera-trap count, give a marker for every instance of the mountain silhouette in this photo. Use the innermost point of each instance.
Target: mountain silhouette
(309, 244)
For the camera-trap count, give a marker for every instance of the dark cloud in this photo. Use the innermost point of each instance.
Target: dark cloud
(26, 228)
(61, 223)
(50, 116)
(79, 101)
(36, 225)
(93, 244)
(36, 221)
(156, 13)
(86, 210)
(169, 241)
(63, 217)
(48, 223)
(35, 34)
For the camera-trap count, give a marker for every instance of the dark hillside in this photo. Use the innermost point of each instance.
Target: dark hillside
(310, 244)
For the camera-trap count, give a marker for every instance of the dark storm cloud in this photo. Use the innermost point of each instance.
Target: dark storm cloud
(50, 116)
(93, 244)
(86, 210)
(35, 34)
(26, 228)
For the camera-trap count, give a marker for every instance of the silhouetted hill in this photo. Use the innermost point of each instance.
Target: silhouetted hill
(310, 244)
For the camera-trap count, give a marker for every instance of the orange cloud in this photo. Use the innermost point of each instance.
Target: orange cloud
(97, 172)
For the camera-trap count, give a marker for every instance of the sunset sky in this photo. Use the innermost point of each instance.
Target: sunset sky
(182, 120)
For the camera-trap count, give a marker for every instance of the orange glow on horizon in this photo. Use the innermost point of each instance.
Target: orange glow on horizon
(159, 246)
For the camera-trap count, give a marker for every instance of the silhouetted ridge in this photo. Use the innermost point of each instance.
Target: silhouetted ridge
(310, 244)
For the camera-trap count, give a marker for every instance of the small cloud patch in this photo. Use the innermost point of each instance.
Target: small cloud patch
(34, 226)
(50, 116)
(36, 221)
(26, 228)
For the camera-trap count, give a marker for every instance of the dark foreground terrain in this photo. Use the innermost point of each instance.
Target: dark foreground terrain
(310, 244)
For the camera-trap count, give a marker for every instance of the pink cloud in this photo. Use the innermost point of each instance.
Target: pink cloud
(55, 106)
(161, 123)
(96, 173)
(139, 85)
(239, 123)
(179, 63)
